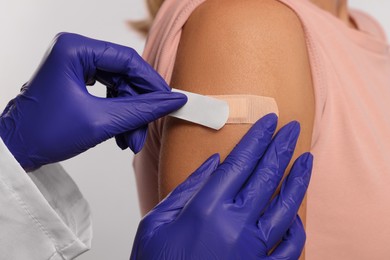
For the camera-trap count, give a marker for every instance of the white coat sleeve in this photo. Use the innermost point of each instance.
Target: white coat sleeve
(43, 215)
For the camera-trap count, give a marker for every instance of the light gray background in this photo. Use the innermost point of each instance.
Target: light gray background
(104, 174)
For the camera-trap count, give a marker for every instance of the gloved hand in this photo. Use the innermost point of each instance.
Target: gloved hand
(55, 118)
(223, 211)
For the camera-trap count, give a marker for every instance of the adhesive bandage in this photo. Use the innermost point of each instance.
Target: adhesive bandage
(203, 110)
(217, 110)
(247, 109)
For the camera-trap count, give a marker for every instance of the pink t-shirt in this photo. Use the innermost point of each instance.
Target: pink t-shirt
(348, 211)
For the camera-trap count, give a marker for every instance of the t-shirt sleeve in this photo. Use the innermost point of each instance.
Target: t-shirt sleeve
(43, 213)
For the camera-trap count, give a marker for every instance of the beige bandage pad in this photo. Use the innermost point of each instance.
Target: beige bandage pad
(247, 109)
(217, 110)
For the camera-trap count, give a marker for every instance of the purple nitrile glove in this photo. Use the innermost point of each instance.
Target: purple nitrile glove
(224, 211)
(55, 118)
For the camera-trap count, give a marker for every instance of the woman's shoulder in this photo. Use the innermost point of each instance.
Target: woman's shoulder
(263, 33)
(249, 16)
(252, 46)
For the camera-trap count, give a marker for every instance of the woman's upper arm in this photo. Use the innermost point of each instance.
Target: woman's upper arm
(236, 47)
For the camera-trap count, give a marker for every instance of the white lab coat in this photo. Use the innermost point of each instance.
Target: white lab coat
(43, 215)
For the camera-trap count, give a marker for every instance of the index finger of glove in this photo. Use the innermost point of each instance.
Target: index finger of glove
(239, 164)
(120, 115)
(128, 63)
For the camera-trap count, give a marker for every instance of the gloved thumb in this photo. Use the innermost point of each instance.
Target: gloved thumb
(124, 114)
(135, 140)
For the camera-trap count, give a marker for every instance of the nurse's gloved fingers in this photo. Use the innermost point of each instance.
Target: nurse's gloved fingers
(117, 85)
(239, 164)
(136, 139)
(93, 55)
(292, 243)
(267, 175)
(121, 141)
(283, 209)
(128, 63)
(179, 197)
(133, 139)
(109, 79)
(129, 113)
